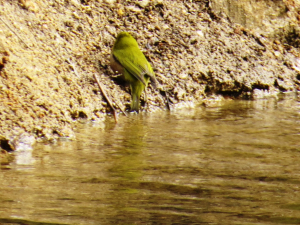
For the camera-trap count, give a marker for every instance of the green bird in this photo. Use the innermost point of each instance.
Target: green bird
(128, 59)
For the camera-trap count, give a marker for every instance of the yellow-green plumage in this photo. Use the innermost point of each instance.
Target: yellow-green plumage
(127, 58)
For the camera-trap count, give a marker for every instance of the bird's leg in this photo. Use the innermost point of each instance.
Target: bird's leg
(145, 99)
(165, 93)
(168, 100)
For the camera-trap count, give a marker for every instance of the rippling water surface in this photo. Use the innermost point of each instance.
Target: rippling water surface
(238, 163)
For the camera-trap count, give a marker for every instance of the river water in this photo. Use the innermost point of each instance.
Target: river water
(236, 163)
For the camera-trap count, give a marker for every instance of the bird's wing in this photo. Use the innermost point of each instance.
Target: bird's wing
(129, 61)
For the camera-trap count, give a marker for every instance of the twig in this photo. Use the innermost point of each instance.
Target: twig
(14, 32)
(99, 70)
(120, 108)
(107, 99)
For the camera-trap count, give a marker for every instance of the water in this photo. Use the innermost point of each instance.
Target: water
(237, 163)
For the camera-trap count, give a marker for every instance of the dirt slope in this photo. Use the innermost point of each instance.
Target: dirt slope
(50, 51)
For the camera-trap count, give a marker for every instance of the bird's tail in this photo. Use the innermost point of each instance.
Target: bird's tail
(135, 102)
(136, 90)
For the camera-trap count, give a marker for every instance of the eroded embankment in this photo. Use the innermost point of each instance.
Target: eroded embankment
(51, 49)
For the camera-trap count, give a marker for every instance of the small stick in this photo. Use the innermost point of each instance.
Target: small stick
(107, 99)
(121, 109)
(14, 32)
(98, 68)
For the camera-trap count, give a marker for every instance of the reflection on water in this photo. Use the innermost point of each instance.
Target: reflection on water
(233, 164)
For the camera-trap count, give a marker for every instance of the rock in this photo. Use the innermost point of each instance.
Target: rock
(142, 3)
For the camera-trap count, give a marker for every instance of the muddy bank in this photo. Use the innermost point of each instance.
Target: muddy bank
(50, 51)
